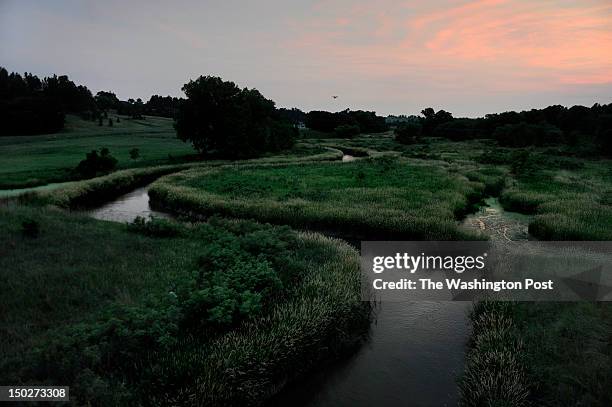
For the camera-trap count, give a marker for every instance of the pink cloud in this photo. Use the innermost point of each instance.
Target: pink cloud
(499, 44)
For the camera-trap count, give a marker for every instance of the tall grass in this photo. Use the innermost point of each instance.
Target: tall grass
(100, 189)
(248, 365)
(494, 372)
(126, 329)
(384, 198)
(568, 204)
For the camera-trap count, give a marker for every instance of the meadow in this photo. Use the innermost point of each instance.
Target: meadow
(37, 160)
(384, 196)
(546, 354)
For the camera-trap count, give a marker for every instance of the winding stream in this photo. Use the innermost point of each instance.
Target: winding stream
(413, 355)
(415, 350)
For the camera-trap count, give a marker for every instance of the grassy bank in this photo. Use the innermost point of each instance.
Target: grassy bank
(225, 311)
(383, 197)
(29, 161)
(100, 189)
(556, 354)
(570, 204)
(37, 160)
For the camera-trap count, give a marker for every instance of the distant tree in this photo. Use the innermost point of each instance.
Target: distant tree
(327, 122)
(368, 121)
(294, 115)
(433, 119)
(106, 100)
(29, 105)
(95, 164)
(220, 119)
(30, 115)
(457, 129)
(524, 134)
(347, 131)
(134, 153)
(162, 106)
(110, 122)
(321, 120)
(408, 132)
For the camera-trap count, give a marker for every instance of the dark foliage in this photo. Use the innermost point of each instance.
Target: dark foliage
(222, 120)
(95, 164)
(294, 116)
(29, 105)
(30, 228)
(577, 126)
(134, 153)
(408, 132)
(368, 122)
(133, 108)
(347, 131)
(163, 106)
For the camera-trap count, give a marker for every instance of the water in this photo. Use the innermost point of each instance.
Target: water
(127, 207)
(414, 353)
(415, 350)
(413, 356)
(499, 224)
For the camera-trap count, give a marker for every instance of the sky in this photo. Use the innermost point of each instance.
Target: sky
(469, 57)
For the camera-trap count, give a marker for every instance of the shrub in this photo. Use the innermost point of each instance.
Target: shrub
(155, 227)
(347, 131)
(408, 133)
(134, 153)
(95, 163)
(30, 228)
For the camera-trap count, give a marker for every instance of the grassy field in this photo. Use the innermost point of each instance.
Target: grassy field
(30, 161)
(37, 160)
(197, 304)
(570, 204)
(384, 197)
(544, 354)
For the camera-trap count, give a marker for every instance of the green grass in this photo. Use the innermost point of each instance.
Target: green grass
(148, 313)
(36, 160)
(568, 204)
(522, 354)
(374, 197)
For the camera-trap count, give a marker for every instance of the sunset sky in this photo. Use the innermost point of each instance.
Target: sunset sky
(467, 57)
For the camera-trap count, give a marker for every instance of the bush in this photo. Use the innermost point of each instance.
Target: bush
(95, 163)
(155, 227)
(134, 153)
(347, 131)
(523, 134)
(30, 228)
(408, 133)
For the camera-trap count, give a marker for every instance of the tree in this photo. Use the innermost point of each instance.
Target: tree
(433, 119)
(408, 132)
(95, 163)
(220, 119)
(134, 153)
(106, 100)
(347, 131)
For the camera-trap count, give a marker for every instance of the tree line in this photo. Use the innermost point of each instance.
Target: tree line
(30, 105)
(553, 125)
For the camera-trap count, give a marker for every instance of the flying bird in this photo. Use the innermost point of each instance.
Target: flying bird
(335, 97)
